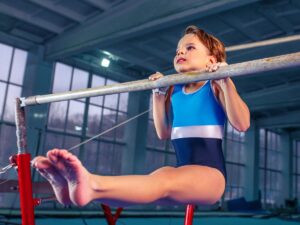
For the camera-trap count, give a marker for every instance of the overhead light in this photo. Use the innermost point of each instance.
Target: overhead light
(78, 128)
(38, 115)
(105, 62)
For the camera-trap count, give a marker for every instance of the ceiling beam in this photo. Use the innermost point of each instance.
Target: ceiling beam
(234, 22)
(95, 68)
(295, 3)
(91, 34)
(27, 35)
(286, 120)
(136, 60)
(278, 21)
(8, 39)
(156, 53)
(284, 89)
(54, 7)
(26, 17)
(271, 104)
(100, 4)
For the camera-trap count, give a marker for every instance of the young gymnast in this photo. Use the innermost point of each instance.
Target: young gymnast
(198, 113)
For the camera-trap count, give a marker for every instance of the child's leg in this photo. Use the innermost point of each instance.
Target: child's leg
(187, 184)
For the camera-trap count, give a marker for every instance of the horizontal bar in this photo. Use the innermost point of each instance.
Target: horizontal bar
(234, 70)
(264, 43)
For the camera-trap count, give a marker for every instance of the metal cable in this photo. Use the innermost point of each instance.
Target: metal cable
(108, 130)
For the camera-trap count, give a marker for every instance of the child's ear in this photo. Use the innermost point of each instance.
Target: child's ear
(212, 59)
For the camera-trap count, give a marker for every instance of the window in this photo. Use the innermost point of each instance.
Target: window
(71, 122)
(12, 69)
(13, 62)
(234, 142)
(296, 169)
(270, 167)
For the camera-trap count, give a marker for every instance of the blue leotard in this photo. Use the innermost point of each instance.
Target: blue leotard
(197, 127)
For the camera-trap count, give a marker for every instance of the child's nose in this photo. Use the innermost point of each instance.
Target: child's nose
(180, 52)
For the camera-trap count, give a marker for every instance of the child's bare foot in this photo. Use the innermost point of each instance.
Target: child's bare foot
(58, 182)
(75, 174)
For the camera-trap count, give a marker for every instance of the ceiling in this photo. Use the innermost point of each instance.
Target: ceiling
(140, 37)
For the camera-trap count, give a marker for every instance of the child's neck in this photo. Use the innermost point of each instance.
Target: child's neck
(191, 87)
(195, 84)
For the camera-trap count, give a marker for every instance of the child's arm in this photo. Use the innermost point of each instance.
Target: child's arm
(163, 129)
(236, 109)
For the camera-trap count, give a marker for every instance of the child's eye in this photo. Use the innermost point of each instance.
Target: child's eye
(190, 48)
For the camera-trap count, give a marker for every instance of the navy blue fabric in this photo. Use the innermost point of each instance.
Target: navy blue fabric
(200, 151)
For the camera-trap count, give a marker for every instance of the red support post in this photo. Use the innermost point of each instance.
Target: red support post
(25, 188)
(111, 219)
(22, 161)
(189, 214)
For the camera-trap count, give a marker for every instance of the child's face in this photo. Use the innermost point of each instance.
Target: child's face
(191, 55)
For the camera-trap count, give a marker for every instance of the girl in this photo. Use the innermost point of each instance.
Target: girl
(199, 111)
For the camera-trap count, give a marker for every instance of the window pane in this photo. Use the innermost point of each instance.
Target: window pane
(5, 56)
(80, 79)
(109, 120)
(53, 141)
(105, 161)
(171, 160)
(111, 101)
(8, 142)
(261, 158)
(262, 137)
(13, 92)
(62, 78)
(70, 142)
(229, 152)
(18, 66)
(152, 140)
(121, 130)
(154, 160)
(117, 159)
(57, 115)
(123, 102)
(90, 156)
(94, 118)
(97, 82)
(2, 96)
(75, 116)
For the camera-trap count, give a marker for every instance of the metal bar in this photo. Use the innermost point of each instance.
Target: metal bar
(264, 43)
(234, 70)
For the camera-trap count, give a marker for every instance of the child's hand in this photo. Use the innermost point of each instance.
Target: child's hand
(215, 66)
(155, 76)
(161, 90)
